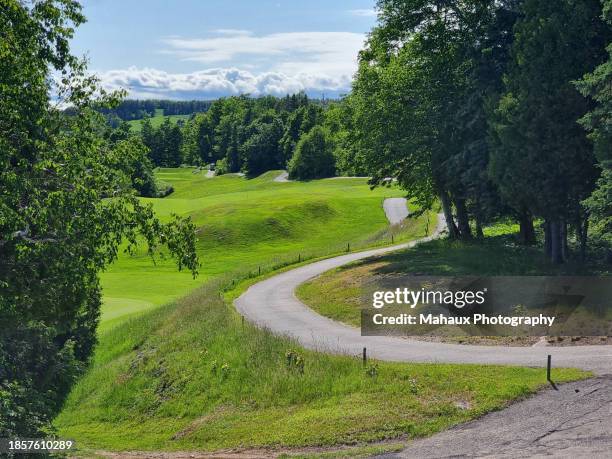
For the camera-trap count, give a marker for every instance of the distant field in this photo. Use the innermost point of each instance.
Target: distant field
(157, 120)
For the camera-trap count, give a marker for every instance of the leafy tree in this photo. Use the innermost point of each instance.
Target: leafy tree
(313, 156)
(67, 203)
(598, 86)
(542, 160)
(198, 139)
(299, 122)
(141, 168)
(340, 124)
(261, 152)
(420, 99)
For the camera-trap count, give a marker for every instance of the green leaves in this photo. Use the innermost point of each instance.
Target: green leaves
(67, 203)
(313, 156)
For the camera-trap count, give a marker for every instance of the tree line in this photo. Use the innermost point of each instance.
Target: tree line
(134, 109)
(67, 204)
(493, 109)
(248, 135)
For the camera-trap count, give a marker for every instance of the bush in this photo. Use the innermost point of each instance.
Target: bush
(313, 157)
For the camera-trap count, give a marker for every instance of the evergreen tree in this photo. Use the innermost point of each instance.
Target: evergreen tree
(313, 156)
(542, 160)
(598, 86)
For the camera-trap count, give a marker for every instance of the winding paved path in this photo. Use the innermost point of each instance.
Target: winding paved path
(396, 210)
(282, 177)
(272, 304)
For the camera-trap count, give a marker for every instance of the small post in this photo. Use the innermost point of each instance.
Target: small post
(259, 271)
(365, 357)
(348, 246)
(242, 321)
(392, 239)
(299, 257)
(548, 368)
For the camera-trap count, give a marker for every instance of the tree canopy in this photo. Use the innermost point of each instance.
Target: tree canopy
(67, 203)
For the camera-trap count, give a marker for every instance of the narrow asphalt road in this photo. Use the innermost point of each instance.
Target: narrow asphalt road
(396, 210)
(272, 304)
(282, 177)
(571, 422)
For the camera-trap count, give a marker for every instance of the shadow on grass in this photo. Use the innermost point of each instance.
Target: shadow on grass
(493, 256)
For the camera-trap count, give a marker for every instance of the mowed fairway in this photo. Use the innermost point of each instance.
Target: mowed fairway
(244, 225)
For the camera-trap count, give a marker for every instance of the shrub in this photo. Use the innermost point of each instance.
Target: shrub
(313, 157)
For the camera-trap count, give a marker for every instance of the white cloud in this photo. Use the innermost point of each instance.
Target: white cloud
(316, 52)
(232, 32)
(213, 83)
(277, 64)
(363, 13)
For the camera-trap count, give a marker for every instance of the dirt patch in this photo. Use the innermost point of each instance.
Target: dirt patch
(196, 424)
(254, 453)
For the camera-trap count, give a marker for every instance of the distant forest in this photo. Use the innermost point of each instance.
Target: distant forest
(246, 134)
(134, 109)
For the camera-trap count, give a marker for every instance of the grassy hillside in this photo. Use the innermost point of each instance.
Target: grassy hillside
(191, 375)
(157, 120)
(245, 225)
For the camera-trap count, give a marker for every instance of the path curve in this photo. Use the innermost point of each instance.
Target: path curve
(282, 177)
(396, 210)
(272, 304)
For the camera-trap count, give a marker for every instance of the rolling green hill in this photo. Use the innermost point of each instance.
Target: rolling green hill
(244, 225)
(189, 374)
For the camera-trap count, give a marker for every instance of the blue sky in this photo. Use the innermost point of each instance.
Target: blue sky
(190, 49)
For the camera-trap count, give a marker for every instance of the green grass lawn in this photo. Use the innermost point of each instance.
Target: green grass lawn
(247, 224)
(338, 293)
(189, 374)
(157, 120)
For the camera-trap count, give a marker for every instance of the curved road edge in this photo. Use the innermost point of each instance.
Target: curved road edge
(272, 304)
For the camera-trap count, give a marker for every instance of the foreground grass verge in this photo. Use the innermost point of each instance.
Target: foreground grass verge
(192, 376)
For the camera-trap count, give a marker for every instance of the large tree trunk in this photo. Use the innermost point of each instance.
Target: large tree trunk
(453, 233)
(479, 233)
(556, 252)
(463, 220)
(583, 231)
(527, 232)
(547, 239)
